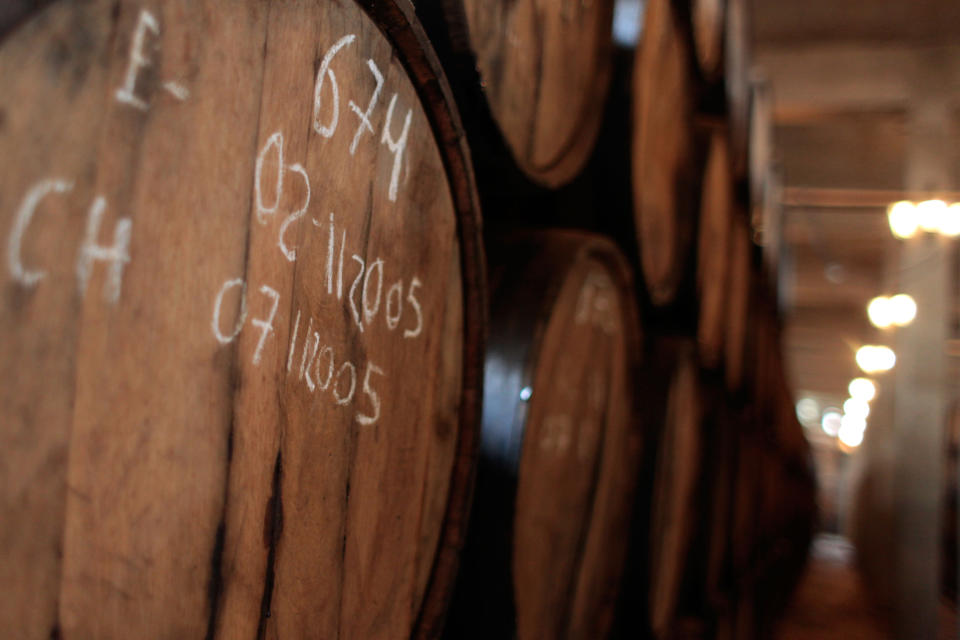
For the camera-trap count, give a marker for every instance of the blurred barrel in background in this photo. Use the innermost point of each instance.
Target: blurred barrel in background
(664, 155)
(243, 304)
(737, 327)
(532, 78)
(714, 255)
(674, 505)
(560, 446)
(708, 25)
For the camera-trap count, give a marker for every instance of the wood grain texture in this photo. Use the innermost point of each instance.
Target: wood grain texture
(708, 18)
(739, 288)
(664, 172)
(713, 251)
(737, 60)
(673, 514)
(544, 68)
(561, 443)
(215, 430)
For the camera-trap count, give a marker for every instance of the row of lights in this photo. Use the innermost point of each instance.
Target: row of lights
(848, 424)
(932, 216)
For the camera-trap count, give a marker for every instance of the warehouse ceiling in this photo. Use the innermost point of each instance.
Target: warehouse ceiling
(844, 76)
(808, 21)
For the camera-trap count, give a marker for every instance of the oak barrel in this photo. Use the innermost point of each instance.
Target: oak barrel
(739, 287)
(714, 251)
(242, 304)
(707, 18)
(674, 503)
(664, 156)
(560, 444)
(540, 71)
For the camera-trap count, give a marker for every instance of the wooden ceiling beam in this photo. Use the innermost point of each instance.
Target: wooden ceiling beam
(810, 80)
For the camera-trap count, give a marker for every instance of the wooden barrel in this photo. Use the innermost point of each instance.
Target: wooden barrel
(707, 587)
(665, 173)
(243, 318)
(765, 365)
(542, 70)
(714, 251)
(674, 506)
(719, 488)
(785, 524)
(745, 503)
(707, 19)
(739, 287)
(560, 445)
(737, 61)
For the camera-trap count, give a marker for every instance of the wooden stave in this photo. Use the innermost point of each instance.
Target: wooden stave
(484, 601)
(714, 252)
(740, 287)
(708, 19)
(396, 20)
(665, 203)
(665, 592)
(708, 587)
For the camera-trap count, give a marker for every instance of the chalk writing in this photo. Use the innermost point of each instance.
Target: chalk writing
(275, 141)
(374, 398)
(319, 371)
(397, 146)
(324, 72)
(20, 274)
(594, 304)
(138, 60)
(117, 255)
(556, 433)
(177, 90)
(147, 23)
(291, 254)
(265, 326)
(227, 338)
(412, 299)
(365, 115)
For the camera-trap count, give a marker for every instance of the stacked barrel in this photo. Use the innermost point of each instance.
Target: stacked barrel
(266, 373)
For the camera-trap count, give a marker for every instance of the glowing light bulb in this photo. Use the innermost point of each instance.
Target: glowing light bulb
(930, 214)
(850, 435)
(950, 223)
(830, 423)
(873, 358)
(808, 411)
(879, 312)
(855, 408)
(902, 309)
(902, 217)
(862, 389)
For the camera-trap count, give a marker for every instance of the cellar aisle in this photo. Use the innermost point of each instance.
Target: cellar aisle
(831, 601)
